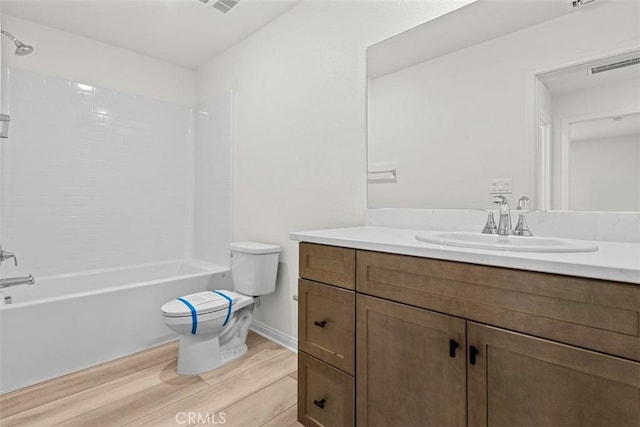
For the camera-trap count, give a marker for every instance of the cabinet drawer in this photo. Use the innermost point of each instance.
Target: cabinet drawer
(328, 264)
(326, 323)
(325, 394)
(595, 314)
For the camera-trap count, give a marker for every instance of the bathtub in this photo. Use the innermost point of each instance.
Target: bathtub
(65, 323)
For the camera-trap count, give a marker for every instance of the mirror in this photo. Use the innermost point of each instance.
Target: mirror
(589, 123)
(462, 108)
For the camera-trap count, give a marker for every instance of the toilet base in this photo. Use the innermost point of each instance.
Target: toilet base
(197, 355)
(229, 356)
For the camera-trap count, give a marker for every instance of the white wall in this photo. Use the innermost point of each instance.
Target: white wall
(604, 100)
(61, 54)
(301, 132)
(458, 121)
(604, 174)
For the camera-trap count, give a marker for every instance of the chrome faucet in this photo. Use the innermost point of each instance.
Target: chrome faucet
(504, 224)
(522, 228)
(490, 226)
(15, 281)
(522, 203)
(5, 255)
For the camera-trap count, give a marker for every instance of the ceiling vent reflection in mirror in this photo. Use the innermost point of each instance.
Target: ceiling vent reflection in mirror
(614, 66)
(223, 6)
(578, 3)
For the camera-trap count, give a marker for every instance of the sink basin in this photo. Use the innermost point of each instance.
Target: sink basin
(504, 243)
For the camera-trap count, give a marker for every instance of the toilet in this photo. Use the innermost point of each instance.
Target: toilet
(213, 325)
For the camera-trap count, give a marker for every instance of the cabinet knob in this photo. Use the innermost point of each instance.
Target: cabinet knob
(453, 344)
(320, 403)
(473, 352)
(320, 323)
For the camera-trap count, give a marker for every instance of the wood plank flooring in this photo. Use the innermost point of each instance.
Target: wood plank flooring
(144, 389)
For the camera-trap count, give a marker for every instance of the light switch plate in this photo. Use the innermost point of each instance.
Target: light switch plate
(501, 186)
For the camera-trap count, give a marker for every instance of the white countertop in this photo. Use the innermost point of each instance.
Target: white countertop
(613, 261)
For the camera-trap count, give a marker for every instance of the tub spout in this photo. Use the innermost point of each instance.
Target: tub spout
(15, 281)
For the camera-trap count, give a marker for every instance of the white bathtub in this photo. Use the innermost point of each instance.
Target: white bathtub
(66, 323)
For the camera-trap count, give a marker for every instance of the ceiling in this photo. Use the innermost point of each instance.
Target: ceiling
(183, 32)
(479, 20)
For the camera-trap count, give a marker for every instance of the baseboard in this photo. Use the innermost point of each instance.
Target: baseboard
(275, 335)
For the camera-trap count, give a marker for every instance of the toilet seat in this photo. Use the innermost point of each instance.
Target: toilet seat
(203, 302)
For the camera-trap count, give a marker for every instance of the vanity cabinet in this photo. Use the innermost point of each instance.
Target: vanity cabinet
(595, 314)
(326, 328)
(448, 343)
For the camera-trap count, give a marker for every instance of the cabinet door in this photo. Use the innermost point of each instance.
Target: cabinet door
(518, 380)
(409, 371)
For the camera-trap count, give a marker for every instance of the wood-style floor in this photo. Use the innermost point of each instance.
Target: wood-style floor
(144, 390)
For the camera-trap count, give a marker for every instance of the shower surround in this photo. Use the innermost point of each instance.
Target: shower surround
(98, 189)
(92, 178)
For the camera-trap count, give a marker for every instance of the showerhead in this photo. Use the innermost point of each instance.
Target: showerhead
(21, 48)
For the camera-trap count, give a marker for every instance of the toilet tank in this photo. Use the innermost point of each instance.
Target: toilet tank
(254, 267)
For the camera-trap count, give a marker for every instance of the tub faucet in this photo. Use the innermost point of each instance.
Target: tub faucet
(5, 255)
(15, 281)
(504, 224)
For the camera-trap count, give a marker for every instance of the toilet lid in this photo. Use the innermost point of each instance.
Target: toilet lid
(203, 302)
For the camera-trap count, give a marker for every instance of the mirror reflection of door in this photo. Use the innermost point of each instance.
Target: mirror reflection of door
(593, 161)
(604, 164)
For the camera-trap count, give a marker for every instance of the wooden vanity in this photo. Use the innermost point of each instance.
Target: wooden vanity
(398, 340)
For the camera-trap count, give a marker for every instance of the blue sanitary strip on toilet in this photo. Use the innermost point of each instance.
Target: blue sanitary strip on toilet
(194, 316)
(229, 309)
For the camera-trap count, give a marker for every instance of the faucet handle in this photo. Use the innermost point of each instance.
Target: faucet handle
(490, 226)
(522, 228)
(5, 255)
(522, 203)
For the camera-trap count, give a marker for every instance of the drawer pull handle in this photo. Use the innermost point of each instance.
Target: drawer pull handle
(473, 352)
(319, 403)
(320, 323)
(453, 344)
